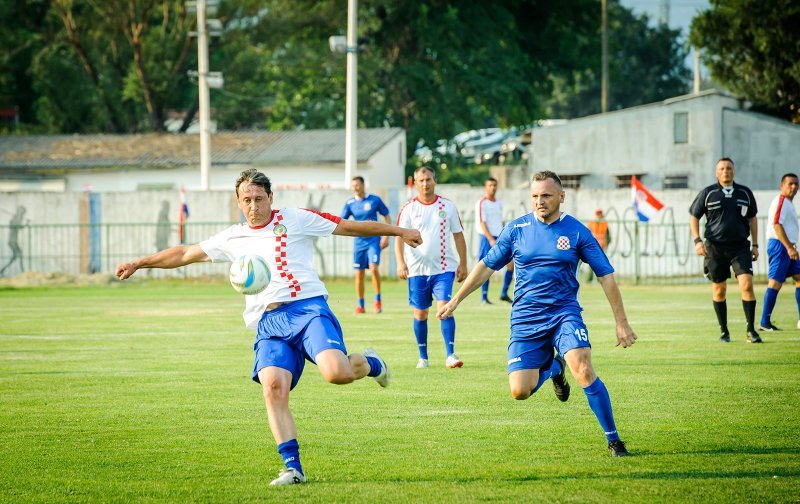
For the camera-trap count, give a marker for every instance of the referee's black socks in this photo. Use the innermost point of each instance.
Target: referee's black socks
(750, 313)
(721, 308)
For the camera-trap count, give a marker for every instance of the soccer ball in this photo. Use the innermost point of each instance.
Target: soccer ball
(249, 274)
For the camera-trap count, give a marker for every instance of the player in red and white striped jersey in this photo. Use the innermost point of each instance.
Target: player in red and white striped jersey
(292, 317)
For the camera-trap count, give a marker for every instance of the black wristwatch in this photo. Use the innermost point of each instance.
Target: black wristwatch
(698, 240)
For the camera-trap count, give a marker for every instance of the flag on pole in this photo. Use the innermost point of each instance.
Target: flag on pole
(645, 204)
(184, 214)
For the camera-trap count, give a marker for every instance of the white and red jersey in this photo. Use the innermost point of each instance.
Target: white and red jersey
(781, 211)
(436, 222)
(490, 212)
(286, 242)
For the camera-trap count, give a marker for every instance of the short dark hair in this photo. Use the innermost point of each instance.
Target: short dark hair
(547, 174)
(255, 177)
(359, 178)
(725, 159)
(787, 176)
(490, 179)
(425, 168)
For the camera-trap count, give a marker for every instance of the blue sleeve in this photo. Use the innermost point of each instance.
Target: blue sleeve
(502, 252)
(592, 254)
(382, 209)
(346, 213)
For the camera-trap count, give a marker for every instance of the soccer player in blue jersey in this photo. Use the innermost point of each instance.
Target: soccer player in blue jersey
(366, 207)
(546, 246)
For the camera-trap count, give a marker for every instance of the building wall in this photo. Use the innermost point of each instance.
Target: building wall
(641, 140)
(386, 168)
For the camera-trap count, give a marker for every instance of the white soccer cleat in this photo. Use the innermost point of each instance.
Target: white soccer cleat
(453, 361)
(290, 476)
(385, 377)
(423, 363)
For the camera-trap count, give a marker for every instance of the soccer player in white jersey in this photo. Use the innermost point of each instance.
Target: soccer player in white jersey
(488, 224)
(784, 261)
(291, 317)
(431, 267)
(546, 247)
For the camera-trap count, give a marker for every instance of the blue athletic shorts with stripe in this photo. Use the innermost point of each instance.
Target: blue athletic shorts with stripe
(536, 351)
(780, 266)
(422, 289)
(483, 246)
(294, 332)
(367, 251)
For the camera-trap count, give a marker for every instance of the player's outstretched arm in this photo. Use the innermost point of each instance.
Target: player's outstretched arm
(172, 257)
(625, 335)
(477, 277)
(371, 228)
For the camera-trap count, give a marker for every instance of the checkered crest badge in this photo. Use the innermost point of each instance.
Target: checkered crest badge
(562, 243)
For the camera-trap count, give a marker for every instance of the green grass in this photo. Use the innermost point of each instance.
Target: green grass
(141, 392)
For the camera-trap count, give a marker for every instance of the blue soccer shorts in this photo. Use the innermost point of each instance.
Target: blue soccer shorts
(780, 266)
(366, 252)
(294, 332)
(536, 351)
(483, 247)
(422, 289)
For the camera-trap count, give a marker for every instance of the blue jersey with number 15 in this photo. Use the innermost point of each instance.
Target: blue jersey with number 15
(546, 260)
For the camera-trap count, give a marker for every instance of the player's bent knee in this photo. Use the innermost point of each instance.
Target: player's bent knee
(339, 376)
(521, 394)
(276, 390)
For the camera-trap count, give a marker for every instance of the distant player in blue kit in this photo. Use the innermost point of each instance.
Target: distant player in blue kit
(546, 246)
(367, 252)
(291, 317)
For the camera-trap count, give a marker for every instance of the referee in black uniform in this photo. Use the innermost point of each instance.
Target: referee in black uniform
(730, 211)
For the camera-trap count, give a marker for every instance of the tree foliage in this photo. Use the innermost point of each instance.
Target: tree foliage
(752, 47)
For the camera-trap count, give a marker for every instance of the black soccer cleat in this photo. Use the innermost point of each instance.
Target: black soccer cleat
(769, 327)
(753, 337)
(725, 337)
(506, 299)
(617, 449)
(560, 383)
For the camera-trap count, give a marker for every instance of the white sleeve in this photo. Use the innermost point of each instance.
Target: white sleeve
(315, 223)
(216, 247)
(455, 220)
(404, 216)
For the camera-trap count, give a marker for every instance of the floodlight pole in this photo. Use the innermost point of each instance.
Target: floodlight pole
(203, 95)
(351, 97)
(604, 58)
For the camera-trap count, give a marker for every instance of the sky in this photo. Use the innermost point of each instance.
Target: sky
(681, 13)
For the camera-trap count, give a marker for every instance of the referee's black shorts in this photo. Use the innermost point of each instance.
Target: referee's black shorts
(721, 257)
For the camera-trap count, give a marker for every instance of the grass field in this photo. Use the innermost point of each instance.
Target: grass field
(141, 392)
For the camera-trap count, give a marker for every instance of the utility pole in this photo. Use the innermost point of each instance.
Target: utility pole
(604, 86)
(663, 12)
(351, 97)
(203, 95)
(696, 80)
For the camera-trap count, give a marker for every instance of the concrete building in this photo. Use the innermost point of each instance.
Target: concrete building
(672, 144)
(312, 159)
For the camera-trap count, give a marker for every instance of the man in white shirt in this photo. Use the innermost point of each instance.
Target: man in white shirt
(292, 317)
(782, 232)
(431, 267)
(488, 224)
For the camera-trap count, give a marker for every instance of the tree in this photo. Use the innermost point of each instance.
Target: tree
(752, 47)
(646, 64)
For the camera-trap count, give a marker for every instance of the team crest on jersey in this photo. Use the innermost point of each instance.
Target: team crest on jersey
(562, 243)
(367, 206)
(279, 229)
(442, 214)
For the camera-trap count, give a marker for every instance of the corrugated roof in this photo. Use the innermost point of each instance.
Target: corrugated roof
(154, 150)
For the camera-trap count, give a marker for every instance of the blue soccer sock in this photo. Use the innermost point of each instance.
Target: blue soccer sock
(485, 291)
(797, 300)
(507, 282)
(290, 452)
(361, 302)
(600, 402)
(421, 333)
(770, 296)
(546, 374)
(449, 334)
(375, 367)
(378, 297)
